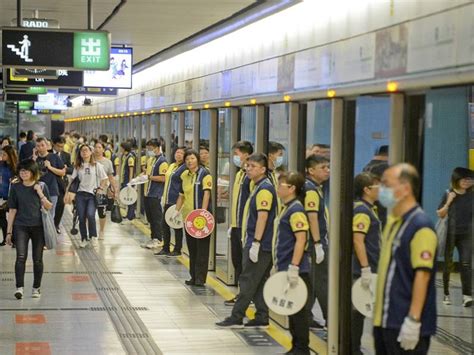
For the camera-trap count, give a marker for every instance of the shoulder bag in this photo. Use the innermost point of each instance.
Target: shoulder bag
(49, 230)
(441, 229)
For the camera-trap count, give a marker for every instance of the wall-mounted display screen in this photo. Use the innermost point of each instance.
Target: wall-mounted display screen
(118, 76)
(51, 101)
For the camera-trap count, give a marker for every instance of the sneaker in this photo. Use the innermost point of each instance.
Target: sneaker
(447, 300)
(101, 235)
(152, 244)
(230, 323)
(466, 301)
(162, 252)
(230, 302)
(19, 293)
(36, 293)
(256, 324)
(3, 244)
(58, 230)
(83, 243)
(125, 222)
(313, 325)
(94, 242)
(174, 254)
(190, 282)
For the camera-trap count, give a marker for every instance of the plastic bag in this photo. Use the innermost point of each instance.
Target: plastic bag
(441, 229)
(50, 234)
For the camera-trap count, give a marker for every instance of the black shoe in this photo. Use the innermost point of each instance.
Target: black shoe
(315, 325)
(256, 324)
(190, 282)
(230, 323)
(3, 243)
(174, 254)
(230, 302)
(162, 252)
(199, 284)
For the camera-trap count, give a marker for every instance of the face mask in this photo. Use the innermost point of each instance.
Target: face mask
(386, 197)
(236, 160)
(278, 162)
(150, 153)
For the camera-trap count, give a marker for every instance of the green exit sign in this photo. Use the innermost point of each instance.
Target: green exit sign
(91, 50)
(36, 90)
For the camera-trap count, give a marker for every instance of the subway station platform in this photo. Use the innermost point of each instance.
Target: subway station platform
(120, 299)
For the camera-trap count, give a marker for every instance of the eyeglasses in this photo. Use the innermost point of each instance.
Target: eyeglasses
(373, 186)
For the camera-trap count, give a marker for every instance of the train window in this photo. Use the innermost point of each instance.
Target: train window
(188, 129)
(247, 124)
(279, 129)
(318, 127)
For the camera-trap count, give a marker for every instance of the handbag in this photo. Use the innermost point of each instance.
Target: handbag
(74, 186)
(100, 198)
(441, 229)
(115, 215)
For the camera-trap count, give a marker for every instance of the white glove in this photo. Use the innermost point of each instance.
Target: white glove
(229, 233)
(318, 249)
(366, 277)
(409, 334)
(253, 253)
(293, 275)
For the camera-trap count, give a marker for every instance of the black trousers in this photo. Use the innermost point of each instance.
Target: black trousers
(23, 234)
(252, 280)
(299, 324)
(154, 216)
(3, 223)
(236, 251)
(386, 343)
(463, 242)
(198, 258)
(319, 280)
(178, 235)
(59, 210)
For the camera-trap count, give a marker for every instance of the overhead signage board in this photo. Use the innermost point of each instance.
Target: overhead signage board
(37, 23)
(55, 49)
(89, 91)
(119, 74)
(66, 78)
(21, 97)
(36, 73)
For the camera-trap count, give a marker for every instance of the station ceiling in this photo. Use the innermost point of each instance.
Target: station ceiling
(148, 26)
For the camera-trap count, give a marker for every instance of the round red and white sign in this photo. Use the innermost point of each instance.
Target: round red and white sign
(199, 223)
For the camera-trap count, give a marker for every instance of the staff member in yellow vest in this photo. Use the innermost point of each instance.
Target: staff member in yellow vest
(275, 160)
(127, 172)
(366, 237)
(405, 307)
(153, 190)
(290, 252)
(195, 193)
(170, 196)
(240, 193)
(257, 240)
(317, 172)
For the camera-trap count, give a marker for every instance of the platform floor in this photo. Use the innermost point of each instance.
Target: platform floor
(120, 299)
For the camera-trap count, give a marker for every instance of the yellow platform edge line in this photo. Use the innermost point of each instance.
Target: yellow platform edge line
(274, 331)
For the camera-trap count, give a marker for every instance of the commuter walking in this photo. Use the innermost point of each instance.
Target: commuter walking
(8, 164)
(51, 168)
(195, 193)
(405, 307)
(366, 238)
(92, 180)
(317, 172)
(58, 149)
(99, 155)
(240, 193)
(26, 150)
(170, 197)
(290, 252)
(457, 206)
(27, 196)
(153, 191)
(257, 238)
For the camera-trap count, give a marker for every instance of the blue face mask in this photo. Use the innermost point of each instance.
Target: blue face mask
(278, 162)
(237, 161)
(387, 197)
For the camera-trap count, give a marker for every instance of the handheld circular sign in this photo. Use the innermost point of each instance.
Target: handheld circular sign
(283, 299)
(363, 298)
(128, 195)
(138, 180)
(199, 223)
(176, 222)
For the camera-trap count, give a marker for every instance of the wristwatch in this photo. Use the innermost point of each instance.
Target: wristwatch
(413, 318)
(256, 240)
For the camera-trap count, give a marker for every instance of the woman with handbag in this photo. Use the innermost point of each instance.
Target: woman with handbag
(8, 163)
(92, 183)
(99, 150)
(457, 206)
(27, 196)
